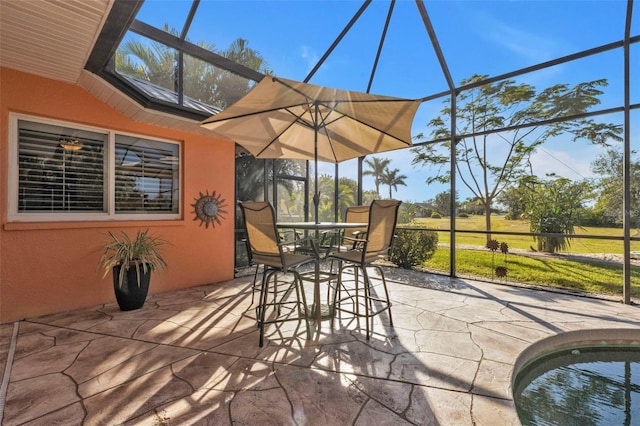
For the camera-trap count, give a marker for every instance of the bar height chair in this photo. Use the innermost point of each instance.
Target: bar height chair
(269, 251)
(337, 242)
(250, 263)
(356, 214)
(360, 299)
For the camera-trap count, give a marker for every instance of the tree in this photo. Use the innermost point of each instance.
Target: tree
(158, 64)
(250, 183)
(347, 189)
(512, 198)
(554, 206)
(153, 62)
(377, 166)
(231, 87)
(326, 187)
(472, 205)
(407, 212)
(609, 167)
(368, 197)
(346, 196)
(488, 161)
(250, 176)
(391, 178)
(442, 203)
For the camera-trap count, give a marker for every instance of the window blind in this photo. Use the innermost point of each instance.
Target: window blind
(146, 176)
(60, 169)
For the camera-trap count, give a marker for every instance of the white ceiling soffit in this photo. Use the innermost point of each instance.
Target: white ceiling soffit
(54, 38)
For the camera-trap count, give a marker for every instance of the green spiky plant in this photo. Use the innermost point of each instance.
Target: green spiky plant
(494, 245)
(142, 253)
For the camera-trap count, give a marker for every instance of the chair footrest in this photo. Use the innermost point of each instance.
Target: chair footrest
(322, 276)
(362, 313)
(386, 306)
(290, 310)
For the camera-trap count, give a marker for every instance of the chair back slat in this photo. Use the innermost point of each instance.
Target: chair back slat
(356, 214)
(259, 221)
(383, 215)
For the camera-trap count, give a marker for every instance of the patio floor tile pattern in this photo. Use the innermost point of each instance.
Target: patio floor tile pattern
(191, 357)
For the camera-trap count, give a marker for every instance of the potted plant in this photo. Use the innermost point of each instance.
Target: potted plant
(131, 262)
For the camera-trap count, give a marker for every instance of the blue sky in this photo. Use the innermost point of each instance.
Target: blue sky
(477, 37)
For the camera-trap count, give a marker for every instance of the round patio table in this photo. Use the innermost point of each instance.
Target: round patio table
(319, 310)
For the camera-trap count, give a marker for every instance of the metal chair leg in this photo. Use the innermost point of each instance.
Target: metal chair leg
(263, 304)
(367, 301)
(255, 280)
(386, 293)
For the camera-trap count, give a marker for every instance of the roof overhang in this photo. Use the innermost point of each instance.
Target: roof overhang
(56, 40)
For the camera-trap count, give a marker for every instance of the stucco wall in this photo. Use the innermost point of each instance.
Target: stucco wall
(51, 267)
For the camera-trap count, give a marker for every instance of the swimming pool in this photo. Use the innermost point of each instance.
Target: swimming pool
(583, 378)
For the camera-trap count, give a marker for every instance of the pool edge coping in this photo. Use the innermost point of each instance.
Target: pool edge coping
(568, 339)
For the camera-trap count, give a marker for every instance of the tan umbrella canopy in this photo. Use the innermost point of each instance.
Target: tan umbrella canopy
(282, 118)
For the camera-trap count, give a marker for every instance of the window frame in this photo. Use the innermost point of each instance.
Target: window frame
(110, 214)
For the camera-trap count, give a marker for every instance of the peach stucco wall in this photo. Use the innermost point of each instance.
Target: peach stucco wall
(51, 267)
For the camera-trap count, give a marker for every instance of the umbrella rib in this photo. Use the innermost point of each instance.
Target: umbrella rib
(273, 140)
(260, 112)
(343, 115)
(326, 133)
(298, 119)
(323, 123)
(384, 132)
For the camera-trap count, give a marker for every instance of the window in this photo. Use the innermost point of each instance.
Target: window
(60, 170)
(69, 172)
(146, 176)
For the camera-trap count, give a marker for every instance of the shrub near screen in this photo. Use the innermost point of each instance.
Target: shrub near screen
(413, 248)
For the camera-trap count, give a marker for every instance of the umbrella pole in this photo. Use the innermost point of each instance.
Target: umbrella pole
(316, 195)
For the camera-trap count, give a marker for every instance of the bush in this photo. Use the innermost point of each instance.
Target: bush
(463, 215)
(407, 213)
(436, 215)
(412, 248)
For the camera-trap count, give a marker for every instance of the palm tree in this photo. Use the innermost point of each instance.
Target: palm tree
(377, 167)
(347, 190)
(153, 62)
(391, 178)
(345, 197)
(157, 63)
(326, 187)
(232, 87)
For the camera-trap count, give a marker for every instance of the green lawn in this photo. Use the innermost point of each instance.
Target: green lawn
(499, 223)
(525, 267)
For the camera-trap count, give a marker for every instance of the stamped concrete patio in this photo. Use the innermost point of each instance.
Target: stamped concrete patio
(190, 357)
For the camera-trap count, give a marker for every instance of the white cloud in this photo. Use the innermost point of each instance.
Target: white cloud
(310, 57)
(574, 164)
(530, 45)
(521, 43)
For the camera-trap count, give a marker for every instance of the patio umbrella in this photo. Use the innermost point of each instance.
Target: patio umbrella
(282, 118)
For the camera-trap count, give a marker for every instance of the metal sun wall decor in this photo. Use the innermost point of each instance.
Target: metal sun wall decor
(209, 209)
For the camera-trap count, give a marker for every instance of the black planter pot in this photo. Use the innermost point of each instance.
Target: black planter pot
(132, 294)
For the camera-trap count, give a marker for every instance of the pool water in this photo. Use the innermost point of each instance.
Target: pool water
(581, 386)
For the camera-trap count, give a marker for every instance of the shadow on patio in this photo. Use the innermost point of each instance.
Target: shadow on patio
(191, 357)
